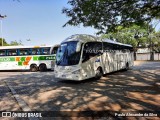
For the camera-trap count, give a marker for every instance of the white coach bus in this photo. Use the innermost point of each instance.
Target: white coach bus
(31, 58)
(80, 57)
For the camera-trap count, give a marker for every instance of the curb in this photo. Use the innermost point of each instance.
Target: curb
(23, 105)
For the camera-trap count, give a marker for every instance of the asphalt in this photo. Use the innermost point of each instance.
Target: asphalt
(135, 90)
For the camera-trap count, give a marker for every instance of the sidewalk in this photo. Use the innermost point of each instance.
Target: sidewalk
(7, 101)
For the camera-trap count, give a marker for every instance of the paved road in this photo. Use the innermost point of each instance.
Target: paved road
(133, 90)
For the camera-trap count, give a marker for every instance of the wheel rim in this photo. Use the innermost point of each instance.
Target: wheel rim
(33, 68)
(98, 73)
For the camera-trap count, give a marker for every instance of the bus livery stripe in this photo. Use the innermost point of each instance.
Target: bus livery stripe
(25, 60)
(28, 58)
(17, 58)
(7, 59)
(35, 58)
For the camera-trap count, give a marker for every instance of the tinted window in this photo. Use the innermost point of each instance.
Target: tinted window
(45, 51)
(35, 51)
(91, 49)
(23, 52)
(12, 52)
(2, 53)
(108, 46)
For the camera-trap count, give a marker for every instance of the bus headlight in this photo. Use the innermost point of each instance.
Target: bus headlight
(77, 71)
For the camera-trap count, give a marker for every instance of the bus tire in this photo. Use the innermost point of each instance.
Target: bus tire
(99, 73)
(127, 66)
(33, 68)
(42, 67)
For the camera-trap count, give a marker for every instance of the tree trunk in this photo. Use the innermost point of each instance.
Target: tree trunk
(135, 56)
(151, 55)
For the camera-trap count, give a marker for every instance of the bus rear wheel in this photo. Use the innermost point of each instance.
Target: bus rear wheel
(33, 68)
(127, 66)
(99, 73)
(42, 67)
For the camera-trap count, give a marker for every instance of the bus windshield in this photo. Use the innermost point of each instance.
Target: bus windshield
(67, 54)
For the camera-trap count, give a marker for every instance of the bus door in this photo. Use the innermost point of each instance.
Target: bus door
(87, 66)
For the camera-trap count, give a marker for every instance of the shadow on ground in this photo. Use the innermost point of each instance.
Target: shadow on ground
(122, 91)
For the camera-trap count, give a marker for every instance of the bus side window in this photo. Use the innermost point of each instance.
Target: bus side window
(44, 51)
(106, 47)
(114, 47)
(35, 51)
(30, 51)
(2, 52)
(38, 51)
(91, 49)
(23, 51)
(12, 52)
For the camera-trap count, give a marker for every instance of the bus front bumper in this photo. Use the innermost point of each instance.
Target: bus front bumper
(63, 76)
(68, 77)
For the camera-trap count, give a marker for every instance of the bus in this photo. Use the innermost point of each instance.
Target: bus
(31, 58)
(82, 56)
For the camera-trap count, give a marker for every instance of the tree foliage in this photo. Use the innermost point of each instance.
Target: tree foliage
(4, 42)
(137, 36)
(12, 43)
(155, 37)
(106, 15)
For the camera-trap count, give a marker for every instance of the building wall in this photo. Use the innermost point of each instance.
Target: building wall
(146, 56)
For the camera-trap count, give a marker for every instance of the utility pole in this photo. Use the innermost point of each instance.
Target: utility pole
(1, 17)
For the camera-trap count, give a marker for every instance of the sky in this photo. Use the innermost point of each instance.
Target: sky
(40, 21)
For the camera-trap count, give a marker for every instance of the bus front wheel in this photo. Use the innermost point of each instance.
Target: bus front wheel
(42, 67)
(33, 68)
(99, 73)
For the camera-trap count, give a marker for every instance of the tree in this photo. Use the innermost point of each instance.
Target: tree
(156, 41)
(4, 42)
(137, 36)
(107, 15)
(14, 43)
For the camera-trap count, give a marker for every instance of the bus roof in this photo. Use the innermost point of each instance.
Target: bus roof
(15, 47)
(114, 42)
(81, 37)
(89, 38)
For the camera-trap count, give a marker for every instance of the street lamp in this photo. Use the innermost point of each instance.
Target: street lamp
(1, 17)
